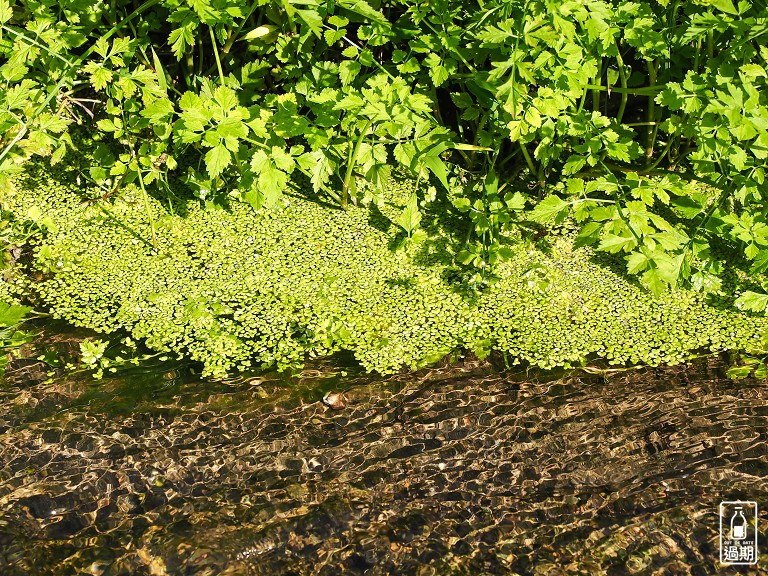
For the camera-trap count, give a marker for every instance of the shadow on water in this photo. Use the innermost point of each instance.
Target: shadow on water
(459, 469)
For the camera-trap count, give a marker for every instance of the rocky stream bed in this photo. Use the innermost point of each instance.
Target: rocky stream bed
(460, 469)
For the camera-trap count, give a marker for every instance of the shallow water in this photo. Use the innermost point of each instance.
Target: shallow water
(461, 469)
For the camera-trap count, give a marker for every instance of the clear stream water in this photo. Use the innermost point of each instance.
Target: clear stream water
(459, 469)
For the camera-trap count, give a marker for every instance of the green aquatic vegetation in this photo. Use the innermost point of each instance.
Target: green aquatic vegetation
(644, 123)
(232, 289)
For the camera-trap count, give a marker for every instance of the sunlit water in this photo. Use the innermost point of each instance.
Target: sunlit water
(455, 470)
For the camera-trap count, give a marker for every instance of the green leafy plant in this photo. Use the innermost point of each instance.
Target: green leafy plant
(644, 122)
(11, 317)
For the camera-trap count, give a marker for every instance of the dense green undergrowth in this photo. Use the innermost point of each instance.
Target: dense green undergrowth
(614, 112)
(233, 289)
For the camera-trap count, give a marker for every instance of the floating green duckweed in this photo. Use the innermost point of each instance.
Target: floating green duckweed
(234, 289)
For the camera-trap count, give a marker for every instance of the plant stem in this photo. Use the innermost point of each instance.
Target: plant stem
(661, 156)
(360, 48)
(352, 160)
(623, 79)
(597, 87)
(234, 32)
(216, 54)
(620, 211)
(480, 126)
(125, 227)
(189, 65)
(19, 135)
(36, 43)
(642, 91)
(650, 140)
(696, 57)
(146, 204)
(528, 160)
(724, 193)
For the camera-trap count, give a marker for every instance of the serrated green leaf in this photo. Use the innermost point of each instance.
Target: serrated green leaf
(516, 201)
(410, 218)
(12, 314)
(333, 36)
(589, 234)
(465, 257)
(319, 165)
(551, 209)
(410, 66)
(365, 10)
(350, 52)
(100, 77)
(5, 11)
(726, 6)
(313, 20)
(613, 243)
(636, 262)
(653, 281)
(159, 111)
(574, 164)
(217, 159)
(348, 71)
(688, 206)
(753, 301)
(272, 182)
(462, 204)
(738, 372)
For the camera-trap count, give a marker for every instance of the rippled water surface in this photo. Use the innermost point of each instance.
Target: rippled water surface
(456, 470)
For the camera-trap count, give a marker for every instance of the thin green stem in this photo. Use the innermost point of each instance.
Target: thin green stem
(146, 204)
(19, 135)
(480, 126)
(456, 52)
(724, 193)
(597, 87)
(360, 48)
(36, 43)
(235, 32)
(627, 223)
(623, 80)
(528, 160)
(352, 160)
(642, 91)
(583, 100)
(125, 227)
(650, 139)
(661, 156)
(216, 55)
(696, 57)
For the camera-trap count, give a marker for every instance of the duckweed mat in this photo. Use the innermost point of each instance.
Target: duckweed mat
(232, 288)
(451, 470)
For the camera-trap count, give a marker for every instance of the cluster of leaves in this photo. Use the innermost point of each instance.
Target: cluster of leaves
(670, 154)
(233, 292)
(645, 121)
(99, 356)
(11, 317)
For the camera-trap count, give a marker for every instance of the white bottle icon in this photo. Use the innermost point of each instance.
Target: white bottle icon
(738, 525)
